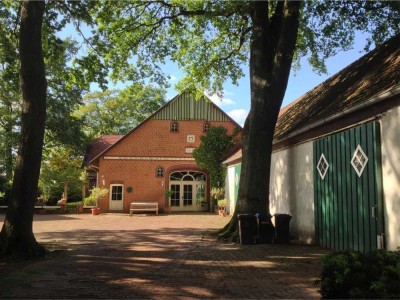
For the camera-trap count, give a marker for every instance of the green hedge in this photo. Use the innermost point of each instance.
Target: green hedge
(351, 274)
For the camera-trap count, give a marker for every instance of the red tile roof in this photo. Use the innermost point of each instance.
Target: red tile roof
(98, 145)
(373, 74)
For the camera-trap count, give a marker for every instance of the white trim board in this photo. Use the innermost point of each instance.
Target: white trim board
(147, 158)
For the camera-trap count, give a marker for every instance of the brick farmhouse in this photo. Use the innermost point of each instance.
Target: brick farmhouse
(156, 156)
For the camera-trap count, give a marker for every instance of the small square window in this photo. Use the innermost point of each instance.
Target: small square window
(174, 126)
(206, 126)
(159, 171)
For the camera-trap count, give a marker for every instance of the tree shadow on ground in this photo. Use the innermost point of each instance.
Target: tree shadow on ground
(163, 263)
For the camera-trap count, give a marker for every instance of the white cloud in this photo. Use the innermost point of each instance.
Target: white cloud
(172, 78)
(220, 101)
(226, 92)
(239, 115)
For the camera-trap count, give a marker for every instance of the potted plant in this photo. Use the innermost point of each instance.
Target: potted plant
(217, 193)
(168, 194)
(92, 200)
(222, 207)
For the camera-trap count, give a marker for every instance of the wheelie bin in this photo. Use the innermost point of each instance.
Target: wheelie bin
(265, 228)
(282, 228)
(247, 229)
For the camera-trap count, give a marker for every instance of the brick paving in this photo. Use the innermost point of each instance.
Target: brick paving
(166, 256)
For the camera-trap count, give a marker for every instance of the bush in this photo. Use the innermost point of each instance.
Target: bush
(95, 195)
(351, 274)
(222, 203)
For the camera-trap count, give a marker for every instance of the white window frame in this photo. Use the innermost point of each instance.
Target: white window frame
(111, 191)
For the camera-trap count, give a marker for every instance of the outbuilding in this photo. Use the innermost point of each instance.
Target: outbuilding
(335, 164)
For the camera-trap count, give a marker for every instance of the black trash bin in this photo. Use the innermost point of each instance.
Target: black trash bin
(247, 229)
(265, 228)
(282, 228)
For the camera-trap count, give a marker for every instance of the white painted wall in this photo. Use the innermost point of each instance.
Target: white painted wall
(230, 189)
(291, 192)
(292, 189)
(390, 137)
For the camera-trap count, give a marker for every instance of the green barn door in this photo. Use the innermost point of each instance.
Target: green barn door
(348, 189)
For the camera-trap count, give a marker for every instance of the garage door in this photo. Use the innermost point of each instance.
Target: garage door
(348, 189)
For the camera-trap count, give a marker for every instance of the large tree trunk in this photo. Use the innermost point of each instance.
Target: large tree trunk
(17, 236)
(8, 145)
(271, 52)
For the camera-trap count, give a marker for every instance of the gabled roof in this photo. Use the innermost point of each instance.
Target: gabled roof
(235, 157)
(98, 145)
(182, 107)
(375, 73)
(185, 107)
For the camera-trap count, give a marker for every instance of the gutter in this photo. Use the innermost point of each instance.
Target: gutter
(355, 108)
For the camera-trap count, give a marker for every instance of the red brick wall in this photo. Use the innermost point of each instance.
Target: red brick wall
(151, 139)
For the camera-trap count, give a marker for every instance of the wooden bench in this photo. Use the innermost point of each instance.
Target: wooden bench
(41, 207)
(143, 206)
(44, 208)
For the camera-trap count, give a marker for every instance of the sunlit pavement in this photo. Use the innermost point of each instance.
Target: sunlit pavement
(165, 256)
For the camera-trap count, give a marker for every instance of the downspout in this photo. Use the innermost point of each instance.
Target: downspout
(97, 174)
(355, 108)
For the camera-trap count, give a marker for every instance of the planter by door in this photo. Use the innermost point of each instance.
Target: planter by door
(95, 211)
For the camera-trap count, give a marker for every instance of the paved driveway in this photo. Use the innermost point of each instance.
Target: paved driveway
(166, 256)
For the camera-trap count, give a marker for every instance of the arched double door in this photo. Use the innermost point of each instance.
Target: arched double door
(188, 190)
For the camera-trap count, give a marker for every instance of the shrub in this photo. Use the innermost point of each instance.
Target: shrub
(95, 195)
(352, 274)
(222, 203)
(217, 194)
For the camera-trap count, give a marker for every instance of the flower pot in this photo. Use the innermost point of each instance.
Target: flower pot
(79, 209)
(222, 212)
(95, 211)
(167, 209)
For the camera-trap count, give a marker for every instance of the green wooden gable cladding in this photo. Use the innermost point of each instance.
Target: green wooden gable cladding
(186, 107)
(348, 205)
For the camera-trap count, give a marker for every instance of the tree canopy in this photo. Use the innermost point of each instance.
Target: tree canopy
(118, 111)
(210, 40)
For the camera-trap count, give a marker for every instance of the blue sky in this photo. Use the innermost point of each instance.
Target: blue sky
(236, 101)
